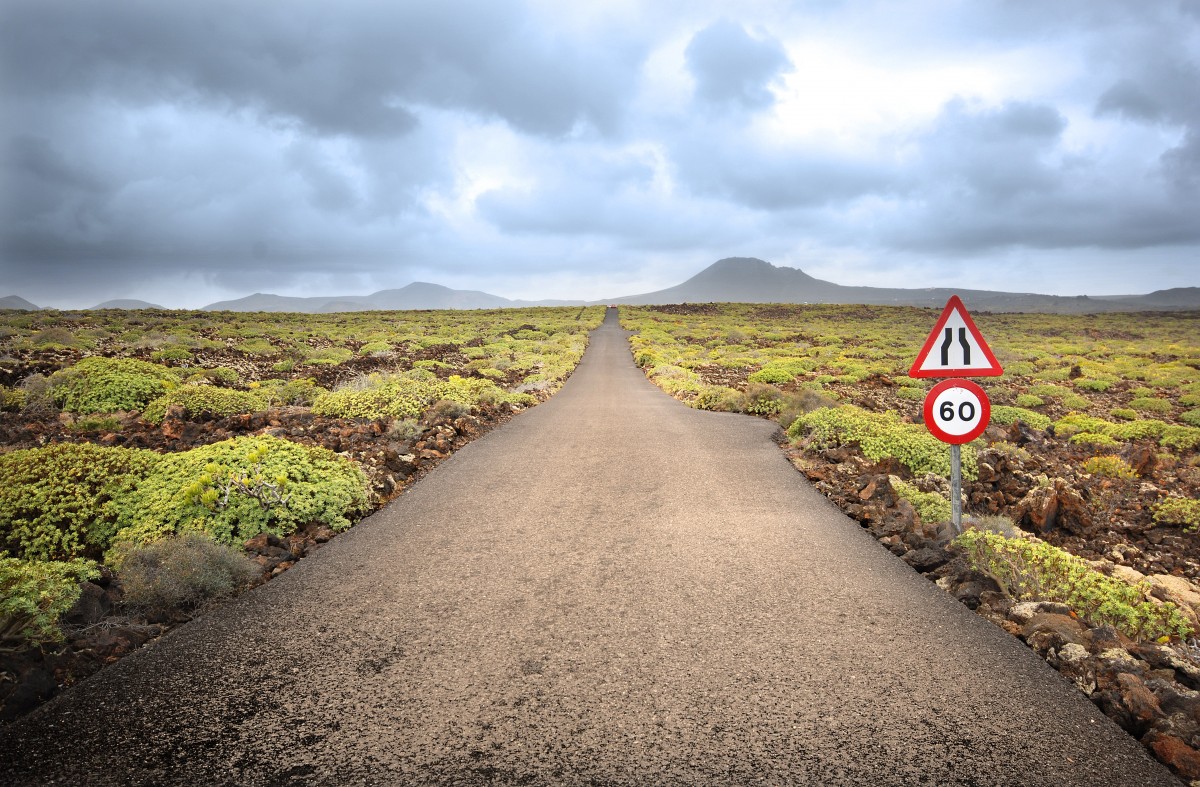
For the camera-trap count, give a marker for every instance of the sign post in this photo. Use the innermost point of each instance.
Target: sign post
(956, 411)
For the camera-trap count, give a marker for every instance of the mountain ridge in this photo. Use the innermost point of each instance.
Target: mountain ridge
(729, 280)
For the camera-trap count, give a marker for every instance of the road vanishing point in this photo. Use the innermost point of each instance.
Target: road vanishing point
(612, 589)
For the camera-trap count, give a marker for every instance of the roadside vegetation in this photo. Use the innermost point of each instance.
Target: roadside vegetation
(151, 461)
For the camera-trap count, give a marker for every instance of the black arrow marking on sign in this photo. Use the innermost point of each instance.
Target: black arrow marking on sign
(962, 339)
(946, 346)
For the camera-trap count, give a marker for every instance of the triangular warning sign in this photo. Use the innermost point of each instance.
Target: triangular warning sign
(955, 348)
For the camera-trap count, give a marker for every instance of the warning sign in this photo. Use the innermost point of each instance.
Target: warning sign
(955, 348)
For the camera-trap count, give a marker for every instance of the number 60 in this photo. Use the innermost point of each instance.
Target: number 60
(966, 411)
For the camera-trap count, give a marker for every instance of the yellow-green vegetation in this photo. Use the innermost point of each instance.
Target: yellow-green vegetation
(11, 399)
(1031, 569)
(238, 488)
(1109, 466)
(106, 385)
(409, 395)
(33, 594)
(204, 400)
(881, 436)
(1178, 511)
(930, 506)
(62, 501)
(1054, 364)
(1005, 415)
(71, 501)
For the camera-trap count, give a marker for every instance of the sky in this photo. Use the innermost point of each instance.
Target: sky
(183, 153)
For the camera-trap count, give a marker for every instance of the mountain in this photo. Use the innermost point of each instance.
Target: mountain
(418, 295)
(751, 280)
(17, 302)
(125, 303)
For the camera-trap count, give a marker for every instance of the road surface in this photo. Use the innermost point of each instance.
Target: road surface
(613, 589)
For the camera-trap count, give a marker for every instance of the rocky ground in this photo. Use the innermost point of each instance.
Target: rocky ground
(1152, 690)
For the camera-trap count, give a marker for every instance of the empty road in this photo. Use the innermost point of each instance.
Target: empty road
(613, 589)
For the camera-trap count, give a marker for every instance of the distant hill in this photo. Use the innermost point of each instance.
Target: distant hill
(125, 303)
(17, 302)
(418, 295)
(751, 280)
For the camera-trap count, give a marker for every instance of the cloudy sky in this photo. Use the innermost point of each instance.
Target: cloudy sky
(186, 152)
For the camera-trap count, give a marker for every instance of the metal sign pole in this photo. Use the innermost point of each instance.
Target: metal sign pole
(956, 486)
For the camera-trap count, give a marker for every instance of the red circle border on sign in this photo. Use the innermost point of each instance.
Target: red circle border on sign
(985, 415)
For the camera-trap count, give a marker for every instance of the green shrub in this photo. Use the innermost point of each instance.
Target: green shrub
(33, 594)
(1029, 400)
(930, 506)
(718, 398)
(1075, 423)
(257, 347)
(881, 436)
(183, 572)
(223, 490)
(301, 392)
(1092, 438)
(1178, 511)
(762, 399)
(1124, 413)
(1109, 466)
(95, 423)
(1137, 430)
(11, 399)
(915, 394)
(1032, 569)
(1191, 417)
(1098, 385)
(1004, 415)
(60, 501)
(1184, 438)
(1149, 404)
(1075, 402)
(771, 373)
(106, 385)
(405, 397)
(199, 400)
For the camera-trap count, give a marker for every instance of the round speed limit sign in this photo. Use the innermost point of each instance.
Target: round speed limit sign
(957, 411)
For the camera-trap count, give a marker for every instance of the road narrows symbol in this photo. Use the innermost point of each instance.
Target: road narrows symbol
(955, 348)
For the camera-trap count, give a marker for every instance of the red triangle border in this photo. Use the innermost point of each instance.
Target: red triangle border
(955, 303)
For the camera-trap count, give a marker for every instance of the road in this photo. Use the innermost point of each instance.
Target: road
(612, 589)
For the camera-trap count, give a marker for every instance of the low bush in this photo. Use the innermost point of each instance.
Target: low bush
(1004, 415)
(718, 398)
(33, 594)
(930, 506)
(224, 490)
(197, 400)
(1149, 404)
(11, 399)
(106, 385)
(1181, 511)
(881, 436)
(1109, 466)
(1034, 570)
(1191, 417)
(762, 399)
(61, 501)
(182, 573)
(1029, 400)
(302, 392)
(1185, 438)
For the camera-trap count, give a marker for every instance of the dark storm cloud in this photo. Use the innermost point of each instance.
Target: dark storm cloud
(732, 68)
(264, 145)
(347, 68)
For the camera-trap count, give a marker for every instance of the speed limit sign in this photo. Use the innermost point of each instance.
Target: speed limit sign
(957, 411)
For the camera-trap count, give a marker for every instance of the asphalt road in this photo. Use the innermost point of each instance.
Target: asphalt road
(612, 589)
